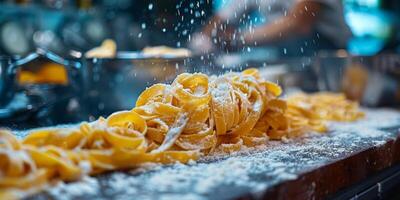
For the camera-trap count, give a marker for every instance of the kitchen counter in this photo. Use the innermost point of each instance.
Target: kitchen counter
(314, 167)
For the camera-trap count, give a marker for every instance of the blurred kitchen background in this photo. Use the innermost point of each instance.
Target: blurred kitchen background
(57, 32)
(64, 25)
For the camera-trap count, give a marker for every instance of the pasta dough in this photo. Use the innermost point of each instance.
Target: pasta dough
(159, 51)
(194, 116)
(107, 49)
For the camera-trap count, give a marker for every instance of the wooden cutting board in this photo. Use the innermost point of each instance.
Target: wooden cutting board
(313, 167)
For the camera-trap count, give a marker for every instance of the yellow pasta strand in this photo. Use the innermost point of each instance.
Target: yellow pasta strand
(194, 116)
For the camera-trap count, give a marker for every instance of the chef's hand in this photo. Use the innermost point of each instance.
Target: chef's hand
(201, 44)
(225, 39)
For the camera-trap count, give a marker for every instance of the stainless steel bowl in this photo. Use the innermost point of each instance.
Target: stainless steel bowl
(371, 80)
(115, 83)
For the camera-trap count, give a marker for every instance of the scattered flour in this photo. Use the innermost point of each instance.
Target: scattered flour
(250, 171)
(63, 191)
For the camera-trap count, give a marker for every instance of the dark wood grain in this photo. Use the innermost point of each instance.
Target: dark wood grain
(330, 178)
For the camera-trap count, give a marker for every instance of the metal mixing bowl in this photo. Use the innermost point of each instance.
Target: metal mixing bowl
(371, 80)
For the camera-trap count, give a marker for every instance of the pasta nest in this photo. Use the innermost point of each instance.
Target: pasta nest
(194, 116)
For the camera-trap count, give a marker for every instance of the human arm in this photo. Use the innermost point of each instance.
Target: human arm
(300, 20)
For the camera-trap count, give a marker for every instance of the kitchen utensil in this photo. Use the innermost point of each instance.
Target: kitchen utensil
(372, 80)
(45, 103)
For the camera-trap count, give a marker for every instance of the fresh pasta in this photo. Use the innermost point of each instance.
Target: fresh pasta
(194, 116)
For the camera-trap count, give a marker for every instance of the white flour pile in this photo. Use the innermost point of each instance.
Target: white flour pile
(249, 171)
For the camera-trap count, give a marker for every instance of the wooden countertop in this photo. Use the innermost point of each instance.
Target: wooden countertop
(313, 167)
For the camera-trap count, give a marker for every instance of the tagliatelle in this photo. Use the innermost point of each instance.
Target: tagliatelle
(194, 116)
